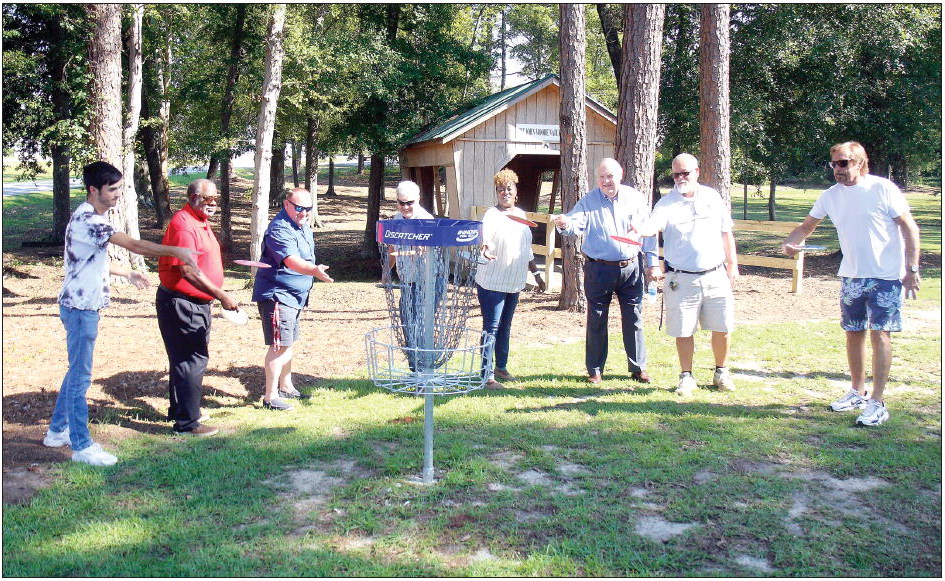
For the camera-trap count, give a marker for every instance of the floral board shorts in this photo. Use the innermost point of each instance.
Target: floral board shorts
(870, 303)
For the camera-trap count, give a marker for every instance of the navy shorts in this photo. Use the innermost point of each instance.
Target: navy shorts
(870, 303)
(280, 324)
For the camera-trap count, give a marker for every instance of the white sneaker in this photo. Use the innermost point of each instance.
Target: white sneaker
(94, 455)
(56, 439)
(687, 384)
(723, 380)
(874, 414)
(850, 401)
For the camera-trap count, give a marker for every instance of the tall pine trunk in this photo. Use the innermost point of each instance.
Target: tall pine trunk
(224, 157)
(277, 172)
(714, 49)
(295, 163)
(105, 94)
(610, 27)
(375, 195)
(60, 153)
(133, 117)
(573, 127)
(265, 127)
(639, 93)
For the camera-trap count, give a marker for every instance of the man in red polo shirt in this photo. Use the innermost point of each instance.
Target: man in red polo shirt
(183, 305)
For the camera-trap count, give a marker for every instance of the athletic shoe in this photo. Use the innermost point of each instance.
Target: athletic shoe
(504, 375)
(850, 401)
(874, 414)
(56, 439)
(94, 455)
(294, 394)
(687, 384)
(201, 430)
(277, 404)
(723, 380)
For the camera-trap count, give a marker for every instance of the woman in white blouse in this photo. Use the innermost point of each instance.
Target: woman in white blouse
(507, 245)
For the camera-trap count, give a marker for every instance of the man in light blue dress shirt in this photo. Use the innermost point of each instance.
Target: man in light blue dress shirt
(611, 267)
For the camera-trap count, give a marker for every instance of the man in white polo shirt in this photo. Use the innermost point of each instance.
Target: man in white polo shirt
(701, 269)
(880, 245)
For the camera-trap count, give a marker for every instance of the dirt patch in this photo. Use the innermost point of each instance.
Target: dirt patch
(659, 529)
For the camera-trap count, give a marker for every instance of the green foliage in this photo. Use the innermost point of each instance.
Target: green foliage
(37, 39)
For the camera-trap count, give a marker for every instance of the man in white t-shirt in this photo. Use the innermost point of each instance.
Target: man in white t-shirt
(880, 244)
(701, 269)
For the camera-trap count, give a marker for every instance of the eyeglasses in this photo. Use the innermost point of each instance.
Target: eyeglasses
(302, 208)
(681, 174)
(839, 163)
(210, 199)
(405, 202)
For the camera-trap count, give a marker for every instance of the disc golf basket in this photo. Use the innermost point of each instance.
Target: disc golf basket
(427, 349)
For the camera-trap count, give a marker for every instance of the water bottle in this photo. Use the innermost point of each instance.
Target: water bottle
(651, 292)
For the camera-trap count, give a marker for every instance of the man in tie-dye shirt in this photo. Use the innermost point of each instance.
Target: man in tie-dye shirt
(85, 291)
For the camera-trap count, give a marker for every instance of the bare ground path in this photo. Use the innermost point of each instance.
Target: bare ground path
(128, 392)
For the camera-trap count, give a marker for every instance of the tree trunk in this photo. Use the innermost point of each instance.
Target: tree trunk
(60, 153)
(277, 173)
(331, 177)
(295, 163)
(213, 166)
(224, 157)
(360, 163)
(311, 154)
(898, 170)
(503, 36)
(152, 153)
(573, 128)
(639, 93)
(714, 99)
(162, 195)
(610, 26)
(745, 201)
(771, 201)
(130, 197)
(375, 195)
(265, 126)
(106, 126)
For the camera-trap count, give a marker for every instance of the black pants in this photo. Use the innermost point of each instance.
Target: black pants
(601, 283)
(185, 328)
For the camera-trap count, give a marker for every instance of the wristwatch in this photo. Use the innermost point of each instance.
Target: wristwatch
(914, 269)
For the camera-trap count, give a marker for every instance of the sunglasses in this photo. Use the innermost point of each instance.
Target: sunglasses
(681, 174)
(839, 163)
(302, 208)
(405, 203)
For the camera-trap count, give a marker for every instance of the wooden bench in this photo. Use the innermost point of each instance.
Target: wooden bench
(795, 264)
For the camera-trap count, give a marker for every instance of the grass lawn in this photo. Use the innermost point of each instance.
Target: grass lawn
(556, 478)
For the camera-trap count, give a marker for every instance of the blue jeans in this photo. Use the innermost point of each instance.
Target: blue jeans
(72, 410)
(497, 311)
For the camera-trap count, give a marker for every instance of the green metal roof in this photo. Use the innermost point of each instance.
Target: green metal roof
(488, 107)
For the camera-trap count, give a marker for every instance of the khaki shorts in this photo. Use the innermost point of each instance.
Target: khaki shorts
(698, 300)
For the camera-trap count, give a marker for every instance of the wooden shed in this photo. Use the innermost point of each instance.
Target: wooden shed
(454, 162)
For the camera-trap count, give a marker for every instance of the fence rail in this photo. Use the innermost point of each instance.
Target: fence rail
(795, 264)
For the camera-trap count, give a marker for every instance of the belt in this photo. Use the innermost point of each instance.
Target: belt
(714, 268)
(620, 263)
(188, 298)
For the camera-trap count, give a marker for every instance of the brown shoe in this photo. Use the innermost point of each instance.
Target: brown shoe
(201, 430)
(493, 384)
(504, 375)
(641, 376)
(595, 379)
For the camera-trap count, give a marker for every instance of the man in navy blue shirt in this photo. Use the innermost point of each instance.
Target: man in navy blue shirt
(282, 291)
(611, 267)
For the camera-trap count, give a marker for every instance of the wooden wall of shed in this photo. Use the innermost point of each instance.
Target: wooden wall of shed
(475, 156)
